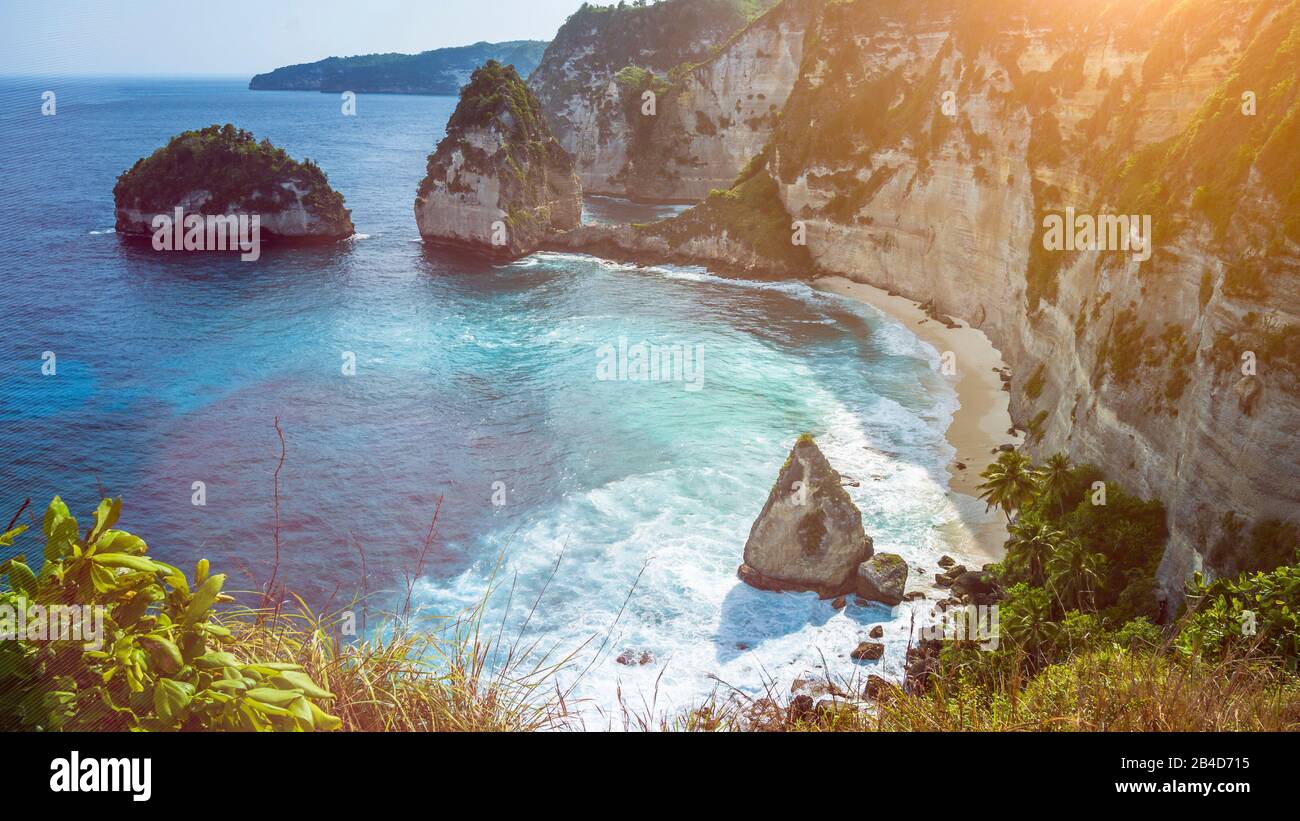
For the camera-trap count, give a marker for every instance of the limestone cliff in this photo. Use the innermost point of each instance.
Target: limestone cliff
(498, 180)
(695, 57)
(924, 146)
(717, 116)
(222, 171)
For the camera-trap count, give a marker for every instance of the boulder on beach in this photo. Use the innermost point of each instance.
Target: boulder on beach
(980, 585)
(809, 535)
(946, 578)
(882, 578)
(868, 651)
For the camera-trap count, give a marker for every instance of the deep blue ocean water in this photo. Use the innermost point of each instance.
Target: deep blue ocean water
(172, 368)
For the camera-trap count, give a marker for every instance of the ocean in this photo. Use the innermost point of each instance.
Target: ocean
(620, 506)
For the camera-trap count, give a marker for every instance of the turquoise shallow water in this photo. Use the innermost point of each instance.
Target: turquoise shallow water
(473, 380)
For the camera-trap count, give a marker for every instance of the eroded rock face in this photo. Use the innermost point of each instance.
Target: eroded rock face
(809, 535)
(950, 210)
(224, 172)
(594, 73)
(498, 182)
(882, 578)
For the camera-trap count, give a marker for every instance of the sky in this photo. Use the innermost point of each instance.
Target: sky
(246, 37)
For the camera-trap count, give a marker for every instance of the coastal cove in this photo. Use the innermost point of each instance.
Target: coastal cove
(626, 504)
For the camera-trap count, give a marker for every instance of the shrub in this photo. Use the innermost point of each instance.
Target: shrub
(163, 663)
(1257, 613)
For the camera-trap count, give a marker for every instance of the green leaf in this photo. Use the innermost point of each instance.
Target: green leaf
(301, 710)
(61, 539)
(105, 516)
(22, 579)
(56, 512)
(294, 679)
(203, 599)
(323, 720)
(103, 578)
(278, 698)
(119, 541)
(7, 539)
(215, 660)
(171, 697)
(128, 613)
(228, 684)
(164, 653)
(271, 666)
(126, 560)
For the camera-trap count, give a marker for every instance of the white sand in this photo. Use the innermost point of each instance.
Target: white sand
(978, 427)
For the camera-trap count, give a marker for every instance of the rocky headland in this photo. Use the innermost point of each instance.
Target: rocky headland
(440, 71)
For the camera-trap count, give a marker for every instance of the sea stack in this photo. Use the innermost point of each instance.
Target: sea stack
(499, 181)
(809, 535)
(208, 176)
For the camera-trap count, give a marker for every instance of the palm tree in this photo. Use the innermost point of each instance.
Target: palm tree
(1009, 482)
(1028, 621)
(1030, 548)
(1073, 573)
(1057, 480)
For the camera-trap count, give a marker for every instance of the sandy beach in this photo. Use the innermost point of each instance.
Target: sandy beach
(978, 427)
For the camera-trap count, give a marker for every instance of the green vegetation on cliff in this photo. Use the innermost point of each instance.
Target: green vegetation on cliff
(234, 168)
(430, 72)
(497, 99)
(498, 133)
(749, 215)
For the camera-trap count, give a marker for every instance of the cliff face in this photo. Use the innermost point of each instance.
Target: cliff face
(592, 77)
(923, 145)
(718, 115)
(498, 180)
(223, 171)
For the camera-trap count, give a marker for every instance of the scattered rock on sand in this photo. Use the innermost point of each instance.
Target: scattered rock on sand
(946, 578)
(882, 578)
(868, 651)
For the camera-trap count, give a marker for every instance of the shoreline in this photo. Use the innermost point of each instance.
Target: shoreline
(978, 426)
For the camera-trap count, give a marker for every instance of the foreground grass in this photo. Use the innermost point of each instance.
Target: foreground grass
(1110, 691)
(403, 679)
(454, 680)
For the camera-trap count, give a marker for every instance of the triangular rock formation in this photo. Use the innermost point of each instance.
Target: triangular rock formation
(809, 535)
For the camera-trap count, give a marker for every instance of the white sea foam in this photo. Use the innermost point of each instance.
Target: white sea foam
(649, 557)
